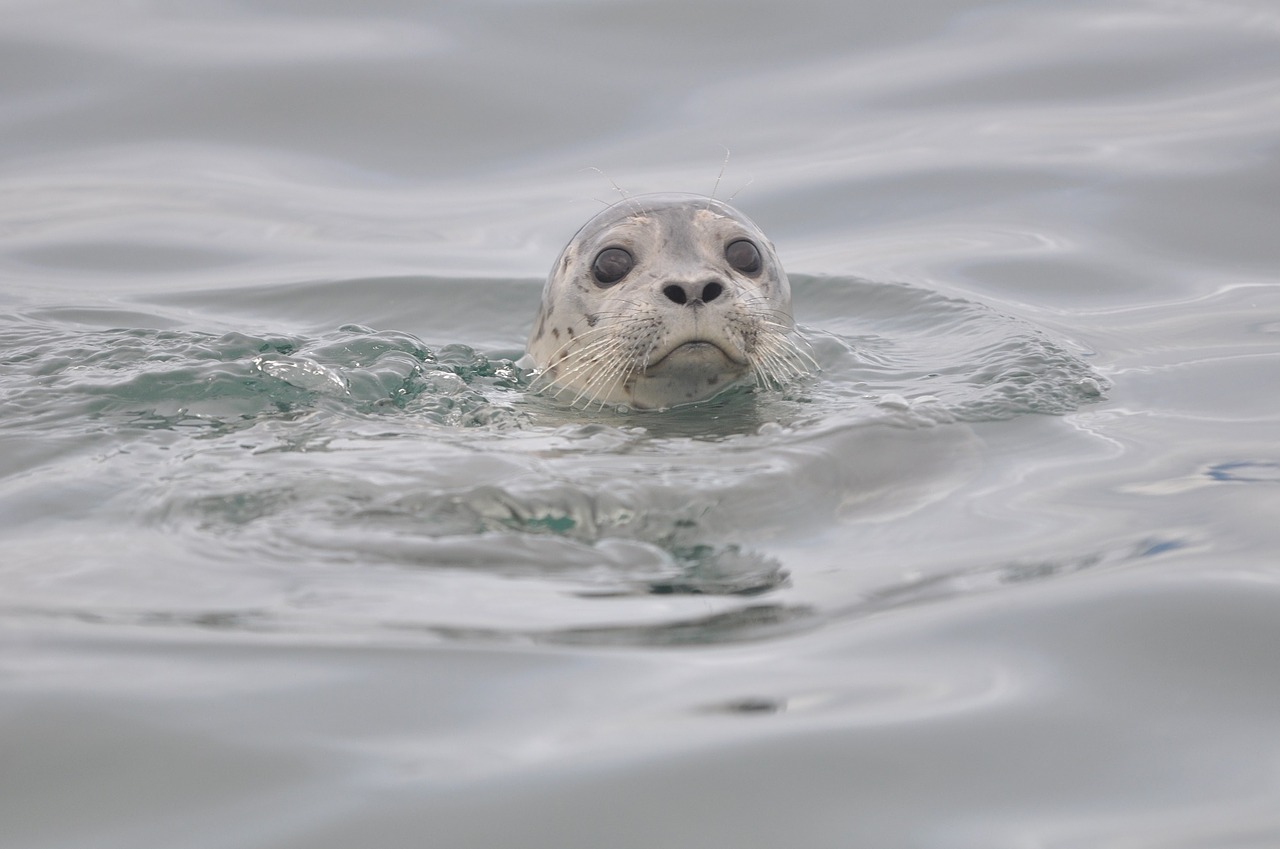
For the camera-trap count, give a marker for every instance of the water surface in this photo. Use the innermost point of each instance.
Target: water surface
(291, 558)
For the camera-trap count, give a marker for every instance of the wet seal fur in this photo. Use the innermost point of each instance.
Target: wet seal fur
(662, 300)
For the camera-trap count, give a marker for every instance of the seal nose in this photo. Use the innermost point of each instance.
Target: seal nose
(693, 294)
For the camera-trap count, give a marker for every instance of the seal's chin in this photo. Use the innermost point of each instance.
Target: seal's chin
(693, 371)
(690, 372)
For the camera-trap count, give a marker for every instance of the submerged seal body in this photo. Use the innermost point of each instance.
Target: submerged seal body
(662, 300)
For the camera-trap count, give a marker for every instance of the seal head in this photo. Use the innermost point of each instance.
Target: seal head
(663, 300)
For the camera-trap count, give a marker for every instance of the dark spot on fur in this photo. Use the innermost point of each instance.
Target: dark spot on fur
(713, 380)
(563, 355)
(569, 330)
(555, 331)
(592, 319)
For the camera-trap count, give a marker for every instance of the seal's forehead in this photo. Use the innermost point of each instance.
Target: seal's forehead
(670, 207)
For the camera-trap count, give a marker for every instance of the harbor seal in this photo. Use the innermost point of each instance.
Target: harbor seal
(662, 300)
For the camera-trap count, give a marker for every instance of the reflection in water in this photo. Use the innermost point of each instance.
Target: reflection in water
(1246, 471)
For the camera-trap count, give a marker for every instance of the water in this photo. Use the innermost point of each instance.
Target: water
(292, 559)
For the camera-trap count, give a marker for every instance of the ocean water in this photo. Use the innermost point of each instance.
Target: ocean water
(290, 556)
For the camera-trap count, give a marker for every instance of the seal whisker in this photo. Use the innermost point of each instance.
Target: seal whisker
(608, 351)
(765, 307)
(798, 347)
(769, 370)
(788, 346)
(715, 188)
(788, 336)
(621, 191)
(766, 371)
(589, 366)
(603, 385)
(562, 353)
(603, 379)
(745, 186)
(586, 364)
(782, 359)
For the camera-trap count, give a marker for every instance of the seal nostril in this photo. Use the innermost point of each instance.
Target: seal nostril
(675, 293)
(711, 291)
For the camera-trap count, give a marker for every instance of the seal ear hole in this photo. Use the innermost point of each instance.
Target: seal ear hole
(743, 256)
(611, 265)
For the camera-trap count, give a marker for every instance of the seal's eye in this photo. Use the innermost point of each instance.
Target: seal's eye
(611, 265)
(743, 256)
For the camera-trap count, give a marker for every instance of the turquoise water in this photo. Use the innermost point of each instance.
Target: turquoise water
(291, 557)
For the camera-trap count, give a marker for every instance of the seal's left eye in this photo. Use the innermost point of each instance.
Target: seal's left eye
(611, 265)
(743, 256)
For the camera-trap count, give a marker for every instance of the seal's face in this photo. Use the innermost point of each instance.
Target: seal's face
(664, 300)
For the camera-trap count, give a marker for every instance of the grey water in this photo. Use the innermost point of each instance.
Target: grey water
(289, 557)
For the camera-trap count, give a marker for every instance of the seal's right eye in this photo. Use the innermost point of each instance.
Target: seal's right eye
(611, 265)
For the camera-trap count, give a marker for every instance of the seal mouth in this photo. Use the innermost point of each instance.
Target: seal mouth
(696, 353)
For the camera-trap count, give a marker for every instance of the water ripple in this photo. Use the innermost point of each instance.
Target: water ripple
(438, 467)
